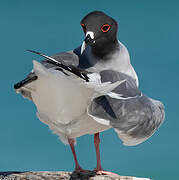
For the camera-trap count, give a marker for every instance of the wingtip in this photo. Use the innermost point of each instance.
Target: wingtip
(29, 50)
(32, 51)
(17, 86)
(24, 82)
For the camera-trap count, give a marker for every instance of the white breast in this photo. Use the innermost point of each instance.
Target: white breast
(62, 103)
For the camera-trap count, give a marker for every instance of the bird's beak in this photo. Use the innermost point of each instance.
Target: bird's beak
(89, 40)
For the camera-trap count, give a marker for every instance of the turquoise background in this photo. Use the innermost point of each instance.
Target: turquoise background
(149, 29)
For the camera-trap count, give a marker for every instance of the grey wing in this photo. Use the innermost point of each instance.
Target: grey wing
(134, 116)
(69, 58)
(66, 58)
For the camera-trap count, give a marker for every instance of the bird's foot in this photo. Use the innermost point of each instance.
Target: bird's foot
(80, 170)
(102, 172)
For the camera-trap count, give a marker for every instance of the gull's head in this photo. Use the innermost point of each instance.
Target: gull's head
(100, 30)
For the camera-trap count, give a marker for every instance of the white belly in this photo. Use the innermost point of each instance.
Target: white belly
(62, 103)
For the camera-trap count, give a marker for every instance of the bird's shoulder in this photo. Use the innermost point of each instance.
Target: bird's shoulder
(127, 87)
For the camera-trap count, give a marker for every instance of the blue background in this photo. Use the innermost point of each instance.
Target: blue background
(149, 29)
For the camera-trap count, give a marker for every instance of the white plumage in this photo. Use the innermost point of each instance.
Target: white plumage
(62, 103)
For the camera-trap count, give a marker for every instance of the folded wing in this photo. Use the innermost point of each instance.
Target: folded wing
(134, 116)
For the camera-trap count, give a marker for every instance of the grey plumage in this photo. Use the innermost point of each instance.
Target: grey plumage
(127, 110)
(67, 58)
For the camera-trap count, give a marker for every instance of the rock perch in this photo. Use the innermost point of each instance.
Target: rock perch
(60, 175)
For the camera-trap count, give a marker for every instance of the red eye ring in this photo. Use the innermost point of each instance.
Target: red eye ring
(84, 27)
(105, 27)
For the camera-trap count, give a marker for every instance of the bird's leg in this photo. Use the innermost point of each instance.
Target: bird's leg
(96, 144)
(77, 166)
(99, 169)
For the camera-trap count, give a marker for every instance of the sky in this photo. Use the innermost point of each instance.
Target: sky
(150, 31)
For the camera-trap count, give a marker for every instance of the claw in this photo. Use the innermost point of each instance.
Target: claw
(101, 172)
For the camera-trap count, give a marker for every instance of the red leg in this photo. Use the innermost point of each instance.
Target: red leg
(77, 166)
(99, 169)
(96, 144)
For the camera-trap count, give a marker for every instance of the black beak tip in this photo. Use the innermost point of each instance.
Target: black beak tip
(88, 40)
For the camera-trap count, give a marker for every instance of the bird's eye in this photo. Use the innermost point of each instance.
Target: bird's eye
(105, 27)
(84, 27)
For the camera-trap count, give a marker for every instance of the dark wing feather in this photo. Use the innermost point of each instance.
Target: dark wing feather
(30, 78)
(62, 61)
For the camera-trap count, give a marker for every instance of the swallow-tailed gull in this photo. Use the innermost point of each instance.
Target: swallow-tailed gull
(91, 89)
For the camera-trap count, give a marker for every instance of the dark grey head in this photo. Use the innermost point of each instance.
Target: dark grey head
(101, 33)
